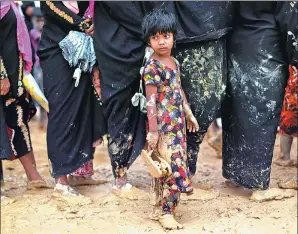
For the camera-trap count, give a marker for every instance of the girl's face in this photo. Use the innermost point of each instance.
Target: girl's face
(162, 43)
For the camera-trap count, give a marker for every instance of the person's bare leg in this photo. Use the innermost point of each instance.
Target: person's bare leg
(29, 165)
(285, 151)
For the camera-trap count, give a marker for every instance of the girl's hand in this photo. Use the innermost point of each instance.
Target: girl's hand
(191, 122)
(5, 86)
(152, 139)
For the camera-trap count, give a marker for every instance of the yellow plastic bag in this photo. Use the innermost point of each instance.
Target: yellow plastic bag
(33, 89)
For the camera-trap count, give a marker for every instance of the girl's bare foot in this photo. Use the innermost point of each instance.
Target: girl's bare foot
(168, 222)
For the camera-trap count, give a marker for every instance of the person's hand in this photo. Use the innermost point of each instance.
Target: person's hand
(152, 139)
(90, 31)
(191, 122)
(96, 80)
(5, 86)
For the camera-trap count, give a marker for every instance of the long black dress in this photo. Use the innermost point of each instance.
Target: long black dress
(255, 89)
(70, 126)
(17, 104)
(119, 51)
(201, 52)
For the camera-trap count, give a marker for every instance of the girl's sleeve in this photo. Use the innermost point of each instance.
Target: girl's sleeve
(152, 75)
(58, 11)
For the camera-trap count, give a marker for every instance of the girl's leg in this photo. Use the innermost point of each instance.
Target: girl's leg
(168, 205)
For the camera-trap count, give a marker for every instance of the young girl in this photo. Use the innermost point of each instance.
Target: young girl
(167, 110)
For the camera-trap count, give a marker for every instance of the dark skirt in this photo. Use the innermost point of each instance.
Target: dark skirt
(70, 132)
(126, 129)
(203, 77)
(256, 80)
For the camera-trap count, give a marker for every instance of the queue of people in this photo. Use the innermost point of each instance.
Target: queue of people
(236, 60)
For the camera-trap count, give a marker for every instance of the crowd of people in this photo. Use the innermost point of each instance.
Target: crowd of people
(207, 60)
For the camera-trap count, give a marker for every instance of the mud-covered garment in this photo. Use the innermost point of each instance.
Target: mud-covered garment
(257, 75)
(203, 77)
(170, 120)
(287, 18)
(199, 20)
(119, 50)
(289, 113)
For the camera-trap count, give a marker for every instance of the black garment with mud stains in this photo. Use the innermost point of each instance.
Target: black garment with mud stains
(203, 78)
(257, 75)
(119, 50)
(199, 20)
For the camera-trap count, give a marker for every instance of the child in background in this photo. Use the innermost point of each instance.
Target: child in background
(35, 36)
(168, 113)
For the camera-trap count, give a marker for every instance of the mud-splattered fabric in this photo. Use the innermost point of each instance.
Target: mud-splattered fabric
(203, 77)
(86, 170)
(170, 120)
(125, 128)
(289, 113)
(257, 74)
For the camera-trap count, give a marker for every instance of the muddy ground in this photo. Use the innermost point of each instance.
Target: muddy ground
(219, 210)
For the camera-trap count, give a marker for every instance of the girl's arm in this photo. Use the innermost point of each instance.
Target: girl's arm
(191, 121)
(152, 137)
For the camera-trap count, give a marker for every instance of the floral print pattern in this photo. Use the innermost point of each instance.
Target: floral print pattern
(171, 121)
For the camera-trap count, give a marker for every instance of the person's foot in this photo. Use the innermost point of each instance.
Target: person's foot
(82, 180)
(65, 190)
(231, 184)
(271, 194)
(289, 184)
(39, 184)
(216, 143)
(168, 222)
(285, 163)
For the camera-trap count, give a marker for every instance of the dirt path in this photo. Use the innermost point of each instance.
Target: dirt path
(220, 210)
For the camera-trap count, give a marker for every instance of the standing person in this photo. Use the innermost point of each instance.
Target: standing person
(289, 113)
(70, 131)
(15, 58)
(167, 111)
(119, 50)
(255, 90)
(27, 9)
(201, 51)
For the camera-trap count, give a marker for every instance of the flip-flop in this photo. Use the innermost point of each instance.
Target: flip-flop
(38, 184)
(153, 166)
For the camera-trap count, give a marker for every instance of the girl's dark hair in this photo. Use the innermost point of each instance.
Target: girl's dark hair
(158, 21)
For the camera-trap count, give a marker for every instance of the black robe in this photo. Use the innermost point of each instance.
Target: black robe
(256, 81)
(71, 129)
(119, 50)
